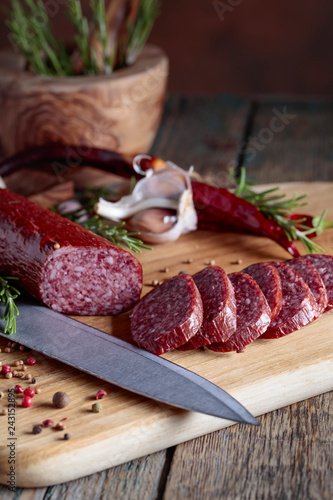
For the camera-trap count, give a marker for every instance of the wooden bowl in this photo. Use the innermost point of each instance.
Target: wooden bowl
(120, 112)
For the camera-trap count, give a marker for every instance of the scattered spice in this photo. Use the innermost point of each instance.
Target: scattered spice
(22, 348)
(18, 389)
(21, 362)
(24, 368)
(9, 375)
(183, 272)
(155, 282)
(60, 399)
(14, 345)
(238, 261)
(47, 423)
(6, 369)
(26, 401)
(15, 373)
(0, 361)
(188, 261)
(34, 380)
(97, 408)
(5, 411)
(59, 427)
(28, 376)
(101, 394)
(38, 390)
(8, 349)
(56, 246)
(31, 361)
(211, 263)
(165, 270)
(37, 429)
(2, 395)
(67, 436)
(29, 392)
(16, 363)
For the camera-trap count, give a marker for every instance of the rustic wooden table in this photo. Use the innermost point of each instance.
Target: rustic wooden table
(290, 455)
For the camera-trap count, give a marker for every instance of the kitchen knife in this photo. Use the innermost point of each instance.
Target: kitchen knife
(125, 365)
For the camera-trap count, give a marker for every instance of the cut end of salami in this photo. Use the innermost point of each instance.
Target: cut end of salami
(324, 266)
(219, 306)
(168, 316)
(299, 305)
(253, 314)
(90, 281)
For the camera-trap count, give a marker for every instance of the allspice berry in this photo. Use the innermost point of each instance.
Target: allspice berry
(97, 408)
(60, 399)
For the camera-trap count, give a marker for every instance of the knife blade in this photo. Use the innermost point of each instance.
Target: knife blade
(114, 360)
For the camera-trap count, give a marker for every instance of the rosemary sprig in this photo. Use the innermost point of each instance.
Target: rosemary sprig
(84, 215)
(81, 25)
(8, 294)
(275, 206)
(140, 30)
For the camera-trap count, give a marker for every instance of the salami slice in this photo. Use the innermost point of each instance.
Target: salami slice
(168, 316)
(253, 314)
(299, 305)
(310, 275)
(324, 266)
(267, 277)
(219, 308)
(65, 266)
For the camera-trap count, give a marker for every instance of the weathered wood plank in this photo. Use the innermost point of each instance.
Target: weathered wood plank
(291, 141)
(288, 456)
(203, 132)
(137, 480)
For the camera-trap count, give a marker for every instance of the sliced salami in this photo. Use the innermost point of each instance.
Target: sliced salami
(253, 314)
(67, 267)
(168, 316)
(219, 308)
(299, 305)
(310, 275)
(268, 279)
(324, 266)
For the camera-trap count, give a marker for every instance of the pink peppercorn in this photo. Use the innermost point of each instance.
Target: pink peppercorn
(31, 361)
(47, 423)
(29, 392)
(26, 402)
(19, 389)
(101, 394)
(6, 369)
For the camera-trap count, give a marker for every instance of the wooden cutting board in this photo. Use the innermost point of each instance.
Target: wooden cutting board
(270, 374)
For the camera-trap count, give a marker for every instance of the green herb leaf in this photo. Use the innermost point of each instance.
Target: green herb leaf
(8, 294)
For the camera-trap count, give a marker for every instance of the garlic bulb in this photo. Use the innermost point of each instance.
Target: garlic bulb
(161, 200)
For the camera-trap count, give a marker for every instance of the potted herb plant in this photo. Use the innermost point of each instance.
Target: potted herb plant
(107, 90)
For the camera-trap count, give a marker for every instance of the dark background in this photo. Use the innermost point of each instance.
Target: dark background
(255, 46)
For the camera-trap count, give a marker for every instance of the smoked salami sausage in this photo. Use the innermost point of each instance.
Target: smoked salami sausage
(68, 268)
(219, 308)
(168, 316)
(253, 314)
(312, 278)
(299, 305)
(267, 277)
(324, 266)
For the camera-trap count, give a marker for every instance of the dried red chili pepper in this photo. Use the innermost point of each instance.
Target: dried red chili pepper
(217, 208)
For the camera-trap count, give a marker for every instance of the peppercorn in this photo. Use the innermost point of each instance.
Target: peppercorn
(24, 368)
(101, 394)
(60, 399)
(34, 380)
(22, 348)
(47, 423)
(29, 392)
(38, 390)
(5, 411)
(59, 427)
(28, 376)
(0, 361)
(2, 395)
(183, 272)
(26, 402)
(6, 369)
(97, 408)
(15, 373)
(67, 436)
(9, 375)
(16, 363)
(19, 389)
(37, 429)
(8, 349)
(31, 361)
